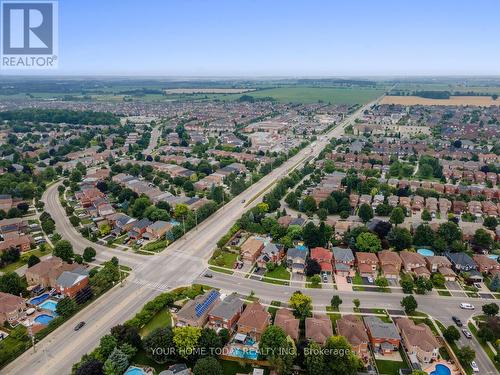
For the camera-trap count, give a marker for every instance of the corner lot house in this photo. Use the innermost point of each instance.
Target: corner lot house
(69, 283)
(251, 249)
(319, 328)
(195, 312)
(226, 314)
(11, 308)
(418, 340)
(353, 329)
(47, 271)
(384, 337)
(157, 229)
(254, 321)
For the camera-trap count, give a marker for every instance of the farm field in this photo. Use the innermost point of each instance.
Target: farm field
(332, 95)
(206, 91)
(453, 100)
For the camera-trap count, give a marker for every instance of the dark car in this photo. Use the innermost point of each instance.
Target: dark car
(209, 275)
(457, 321)
(349, 279)
(79, 326)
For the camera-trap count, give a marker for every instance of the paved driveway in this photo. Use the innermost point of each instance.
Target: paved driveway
(453, 285)
(342, 283)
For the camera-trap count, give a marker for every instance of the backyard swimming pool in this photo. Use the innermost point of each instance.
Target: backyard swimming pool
(43, 319)
(48, 305)
(493, 256)
(441, 370)
(134, 371)
(39, 299)
(241, 353)
(425, 252)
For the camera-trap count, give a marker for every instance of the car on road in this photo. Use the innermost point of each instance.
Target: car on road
(243, 201)
(79, 326)
(467, 306)
(474, 366)
(467, 333)
(209, 275)
(457, 321)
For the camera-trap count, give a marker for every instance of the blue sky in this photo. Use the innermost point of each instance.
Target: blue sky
(279, 37)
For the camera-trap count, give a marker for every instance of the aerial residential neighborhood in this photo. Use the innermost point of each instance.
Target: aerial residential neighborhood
(249, 188)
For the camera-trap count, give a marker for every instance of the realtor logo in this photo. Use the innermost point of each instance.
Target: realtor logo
(29, 34)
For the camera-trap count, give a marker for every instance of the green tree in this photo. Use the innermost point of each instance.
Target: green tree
(397, 216)
(451, 334)
(399, 238)
(32, 260)
(381, 282)
(347, 364)
(106, 346)
(159, 338)
(407, 285)
(309, 204)
(322, 214)
(313, 359)
(139, 207)
(301, 304)
(368, 242)
(449, 232)
(116, 363)
(186, 340)
(11, 282)
(335, 302)
(207, 366)
(66, 307)
(426, 215)
(64, 250)
(490, 309)
(422, 285)
(315, 280)
(483, 239)
(181, 210)
(490, 222)
(409, 303)
(466, 355)
(424, 235)
(365, 212)
(209, 342)
(356, 302)
(89, 254)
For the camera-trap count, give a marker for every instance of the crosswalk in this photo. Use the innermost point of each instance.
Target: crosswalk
(162, 287)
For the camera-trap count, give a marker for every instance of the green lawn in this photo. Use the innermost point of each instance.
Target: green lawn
(24, 259)
(233, 368)
(226, 259)
(160, 320)
(333, 316)
(275, 305)
(389, 367)
(308, 285)
(280, 272)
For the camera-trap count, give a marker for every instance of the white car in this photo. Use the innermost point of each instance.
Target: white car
(467, 306)
(474, 366)
(370, 279)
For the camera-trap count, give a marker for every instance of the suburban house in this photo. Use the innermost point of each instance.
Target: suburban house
(21, 242)
(343, 261)
(253, 321)
(324, 258)
(226, 313)
(157, 230)
(485, 264)
(418, 340)
(177, 369)
(384, 337)
(353, 329)
(195, 312)
(390, 263)
(286, 320)
(138, 228)
(441, 264)
(367, 264)
(270, 253)
(296, 259)
(47, 271)
(319, 328)
(12, 308)
(251, 249)
(69, 283)
(461, 262)
(414, 262)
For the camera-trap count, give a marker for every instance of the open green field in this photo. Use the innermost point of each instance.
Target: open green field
(331, 95)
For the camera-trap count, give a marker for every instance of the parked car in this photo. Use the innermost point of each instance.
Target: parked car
(467, 306)
(477, 285)
(79, 326)
(209, 275)
(474, 366)
(370, 279)
(467, 333)
(457, 321)
(325, 277)
(243, 201)
(240, 265)
(349, 279)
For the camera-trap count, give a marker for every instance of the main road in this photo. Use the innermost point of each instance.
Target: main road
(181, 263)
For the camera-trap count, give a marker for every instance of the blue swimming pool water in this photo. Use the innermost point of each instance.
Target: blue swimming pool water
(48, 305)
(43, 319)
(425, 252)
(134, 371)
(441, 370)
(39, 299)
(493, 256)
(240, 353)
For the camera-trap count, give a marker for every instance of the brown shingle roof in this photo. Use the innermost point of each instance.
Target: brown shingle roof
(285, 319)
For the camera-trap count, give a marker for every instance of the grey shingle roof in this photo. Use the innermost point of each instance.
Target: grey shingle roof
(228, 307)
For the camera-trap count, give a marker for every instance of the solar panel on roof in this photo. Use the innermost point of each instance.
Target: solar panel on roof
(200, 308)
